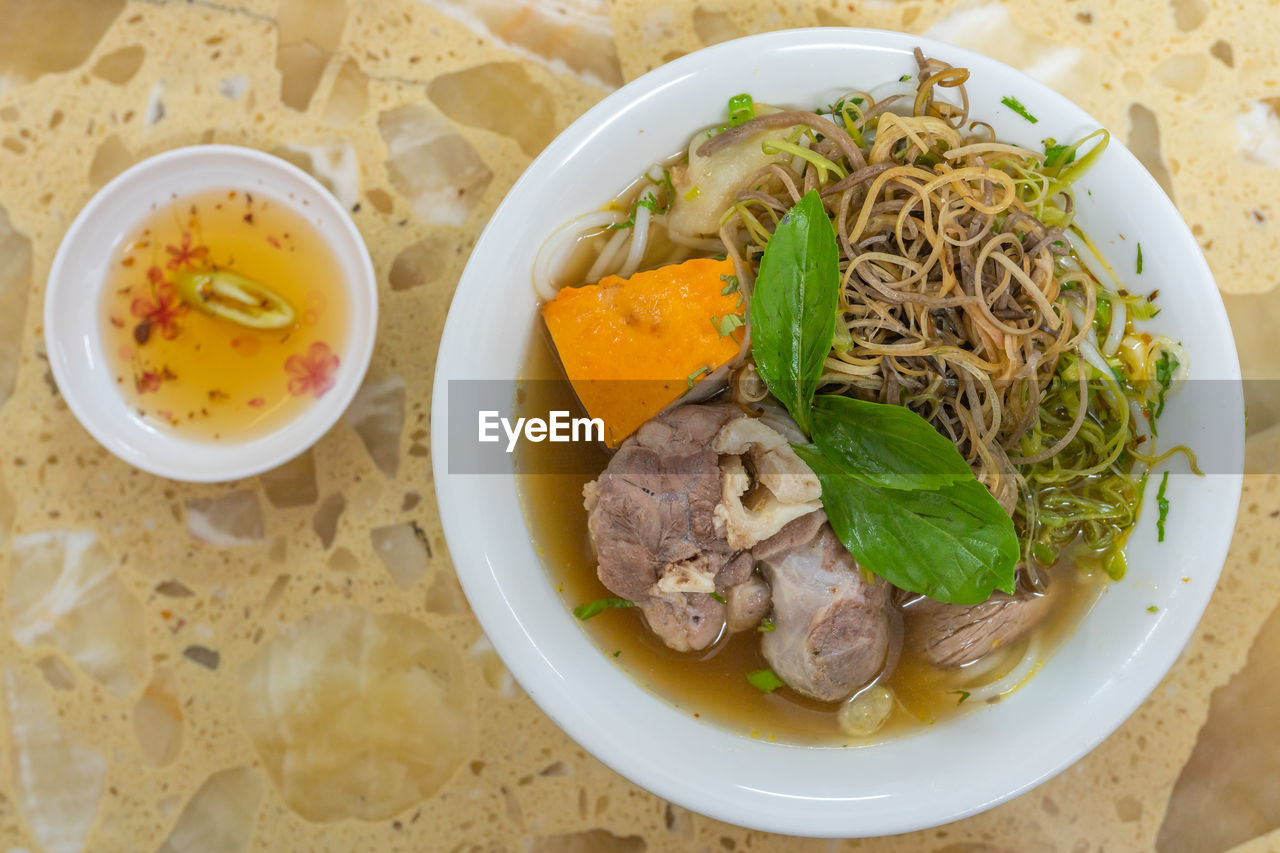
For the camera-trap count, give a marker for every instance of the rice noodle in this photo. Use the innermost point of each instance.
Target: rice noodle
(639, 239)
(545, 265)
(1013, 678)
(966, 294)
(607, 254)
(1119, 315)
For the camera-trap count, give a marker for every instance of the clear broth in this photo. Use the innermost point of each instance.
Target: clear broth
(712, 685)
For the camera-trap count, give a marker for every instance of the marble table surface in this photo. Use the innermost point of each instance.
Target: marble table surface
(287, 662)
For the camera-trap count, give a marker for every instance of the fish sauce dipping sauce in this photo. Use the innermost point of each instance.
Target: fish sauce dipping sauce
(878, 416)
(210, 313)
(224, 315)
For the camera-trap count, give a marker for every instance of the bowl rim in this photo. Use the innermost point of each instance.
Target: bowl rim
(750, 803)
(206, 461)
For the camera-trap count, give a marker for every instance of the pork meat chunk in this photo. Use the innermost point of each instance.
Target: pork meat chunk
(651, 518)
(831, 620)
(950, 635)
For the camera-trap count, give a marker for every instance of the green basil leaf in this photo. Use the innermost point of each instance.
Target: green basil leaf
(889, 446)
(954, 544)
(793, 307)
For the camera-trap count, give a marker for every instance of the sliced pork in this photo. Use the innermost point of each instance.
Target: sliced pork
(652, 519)
(951, 635)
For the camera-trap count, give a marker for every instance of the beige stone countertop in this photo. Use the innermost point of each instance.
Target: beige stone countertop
(159, 638)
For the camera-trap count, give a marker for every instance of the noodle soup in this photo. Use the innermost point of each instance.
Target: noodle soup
(907, 422)
(710, 684)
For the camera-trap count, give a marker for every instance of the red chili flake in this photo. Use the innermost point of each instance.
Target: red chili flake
(186, 254)
(216, 394)
(257, 402)
(146, 382)
(117, 322)
(127, 262)
(273, 241)
(248, 217)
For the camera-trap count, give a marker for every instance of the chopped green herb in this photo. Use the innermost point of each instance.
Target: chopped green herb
(718, 597)
(1102, 316)
(693, 377)
(1057, 155)
(1014, 104)
(1153, 609)
(766, 626)
(670, 188)
(730, 286)
(904, 78)
(964, 694)
(600, 605)
(1144, 309)
(1139, 264)
(765, 680)
(650, 201)
(1163, 503)
(839, 106)
(741, 110)
(714, 130)
(618, 652)
(1165, 368)
(725, 325)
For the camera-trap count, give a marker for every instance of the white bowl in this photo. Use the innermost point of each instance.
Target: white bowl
(1109, 664)
(73, 313)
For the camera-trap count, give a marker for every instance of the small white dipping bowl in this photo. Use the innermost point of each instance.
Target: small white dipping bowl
(73, 311)
(1096, 679)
